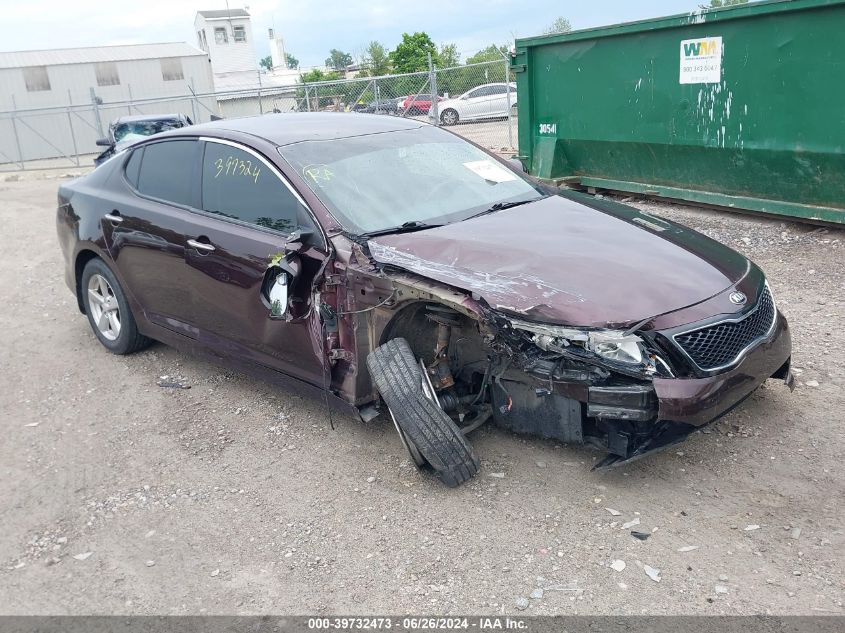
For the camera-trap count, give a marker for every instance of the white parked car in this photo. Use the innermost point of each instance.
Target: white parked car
(489, 101)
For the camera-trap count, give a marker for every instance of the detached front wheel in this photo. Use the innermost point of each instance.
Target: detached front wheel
(430, 435)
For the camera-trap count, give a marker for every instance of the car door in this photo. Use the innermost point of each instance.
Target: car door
(145, 230)
(472, 104)
(247, 211)
(498, 101)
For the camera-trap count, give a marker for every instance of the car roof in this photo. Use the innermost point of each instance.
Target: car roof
(295, 127)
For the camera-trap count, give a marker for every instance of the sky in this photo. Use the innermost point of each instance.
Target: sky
(310, 29)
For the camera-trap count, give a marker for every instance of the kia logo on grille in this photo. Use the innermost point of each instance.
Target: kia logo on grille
(738, 298)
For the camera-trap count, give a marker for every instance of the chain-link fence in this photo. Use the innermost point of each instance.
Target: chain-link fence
(477, 101)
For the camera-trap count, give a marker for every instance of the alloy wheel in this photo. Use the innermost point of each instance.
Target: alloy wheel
(104, 307)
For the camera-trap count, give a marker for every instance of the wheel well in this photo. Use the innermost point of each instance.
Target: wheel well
(82, 258)
(414, 325)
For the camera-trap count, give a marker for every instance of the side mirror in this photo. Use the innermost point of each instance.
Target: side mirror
(103, 142)
(297, 240)
(517, 164)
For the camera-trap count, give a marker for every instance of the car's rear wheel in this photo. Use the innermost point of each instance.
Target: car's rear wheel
(449, 117)
(108, 310)
(430, 435)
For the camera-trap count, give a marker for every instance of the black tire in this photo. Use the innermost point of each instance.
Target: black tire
(129, 340)
(446, 115)
(398, 377)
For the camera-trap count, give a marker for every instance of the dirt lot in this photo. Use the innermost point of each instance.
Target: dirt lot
(119, 496)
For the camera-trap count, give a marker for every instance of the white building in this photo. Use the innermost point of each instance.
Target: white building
(40, 85)
(226, 35)
(40, 79)
(280, 74)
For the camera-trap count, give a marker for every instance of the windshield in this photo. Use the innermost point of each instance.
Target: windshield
(378, 181)
(138, 129)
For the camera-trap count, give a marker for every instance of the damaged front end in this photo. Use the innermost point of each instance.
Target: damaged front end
(592, 386)
(582, 385)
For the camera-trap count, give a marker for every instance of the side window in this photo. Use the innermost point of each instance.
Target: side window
(166, 171)
(133, 167)
(476, 93)
(235, 184)
(498, 90)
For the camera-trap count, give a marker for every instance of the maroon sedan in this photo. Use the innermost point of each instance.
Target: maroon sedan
(389, 264)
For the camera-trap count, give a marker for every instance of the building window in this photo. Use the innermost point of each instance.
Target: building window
(239, 33)
(107, 74)
(36, 78)
(171, 69)
(220, 35)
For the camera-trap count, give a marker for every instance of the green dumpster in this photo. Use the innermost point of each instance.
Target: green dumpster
(742, 107)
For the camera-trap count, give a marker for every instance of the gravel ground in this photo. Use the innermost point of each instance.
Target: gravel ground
(119, 496)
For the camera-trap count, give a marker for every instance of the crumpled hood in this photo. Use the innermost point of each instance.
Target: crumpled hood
(561, 261)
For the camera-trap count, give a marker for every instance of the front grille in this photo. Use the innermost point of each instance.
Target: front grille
(720, 345)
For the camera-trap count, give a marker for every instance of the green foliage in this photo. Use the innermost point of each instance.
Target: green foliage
(376, 59)
(448, 56)
(560, 25)
(318, 75)
(292, 61)
(266, 62)
(338, 60)
(411, 54)
(492, 53)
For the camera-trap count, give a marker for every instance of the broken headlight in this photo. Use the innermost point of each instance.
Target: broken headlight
(616, 346)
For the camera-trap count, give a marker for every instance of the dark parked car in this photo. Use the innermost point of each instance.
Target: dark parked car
(401, 265)
(126, 130)
(383, 106)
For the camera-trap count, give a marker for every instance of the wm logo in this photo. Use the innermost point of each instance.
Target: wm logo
(702, 47)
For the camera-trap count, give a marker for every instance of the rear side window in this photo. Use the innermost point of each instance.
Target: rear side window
(236, 184)
(166, 171)
(133, 167)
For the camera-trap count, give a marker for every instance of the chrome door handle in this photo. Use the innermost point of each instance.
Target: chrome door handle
(200, 246)
(111, 217)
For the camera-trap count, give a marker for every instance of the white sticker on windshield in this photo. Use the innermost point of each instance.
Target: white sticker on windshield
(489, 170)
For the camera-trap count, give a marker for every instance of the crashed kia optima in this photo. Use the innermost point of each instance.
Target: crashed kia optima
(394, 266)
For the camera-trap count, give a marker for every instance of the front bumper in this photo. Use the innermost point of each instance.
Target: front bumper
(698, 401)
(686, 404)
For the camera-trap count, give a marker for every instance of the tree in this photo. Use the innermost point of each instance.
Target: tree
(560, 25)
(266, 62)
(492, 53)
(338, 59)
(411, 54)
(448, 57)
(292, 61)
(376, 59)
(319, 75)
(718, 4)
